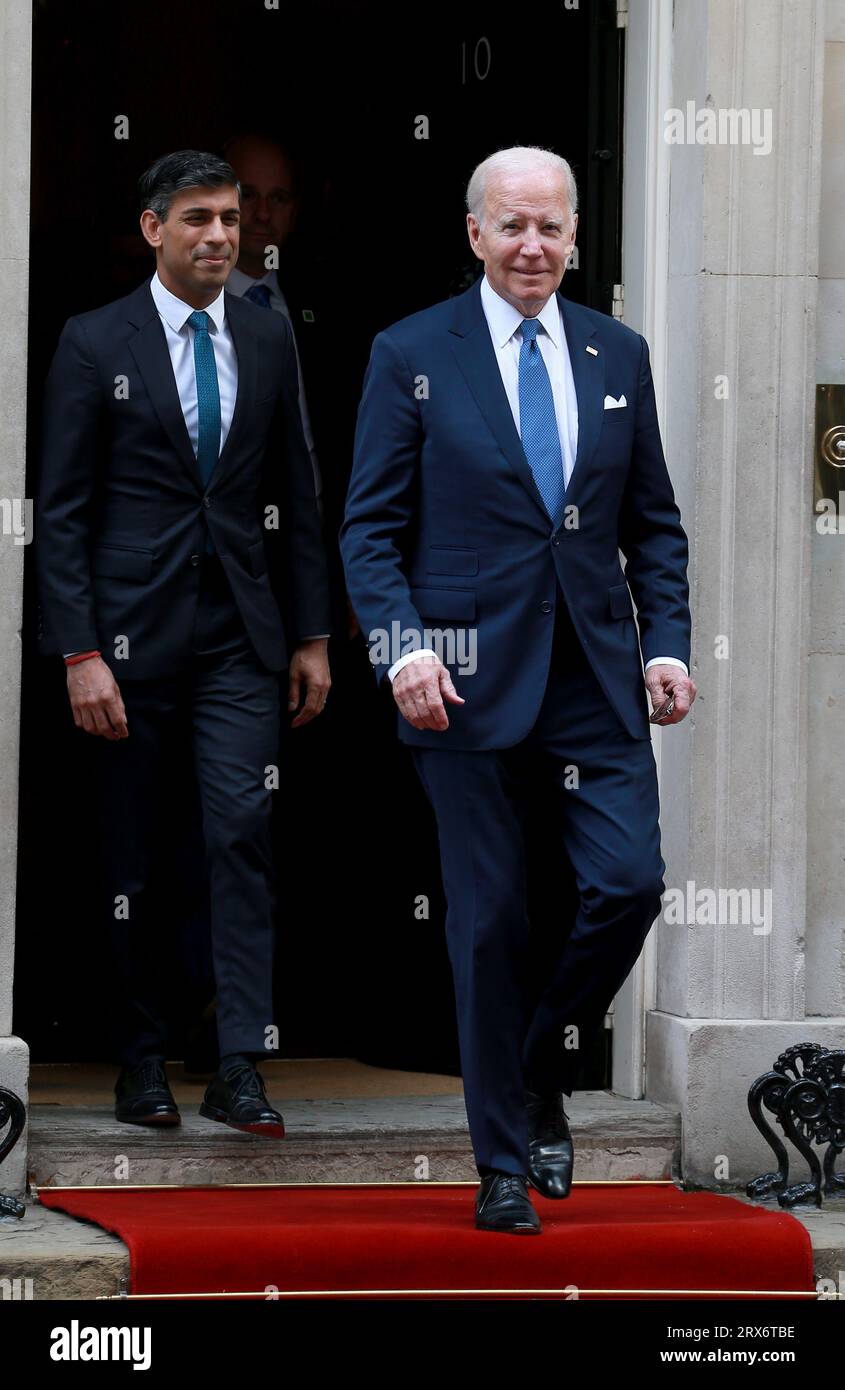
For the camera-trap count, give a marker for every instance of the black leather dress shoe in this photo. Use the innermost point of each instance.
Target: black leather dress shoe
(236, 1098)
(143, 1096)
(550, 1153)
(502, 1204)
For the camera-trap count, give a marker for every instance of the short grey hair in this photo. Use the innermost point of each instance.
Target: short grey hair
(516, 159)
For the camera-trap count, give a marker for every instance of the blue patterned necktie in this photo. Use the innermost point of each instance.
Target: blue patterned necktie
(208, 402)
(537, 422)
(260, 295)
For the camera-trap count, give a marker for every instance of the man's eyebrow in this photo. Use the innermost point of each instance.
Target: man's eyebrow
(189, 212)
(516, 216)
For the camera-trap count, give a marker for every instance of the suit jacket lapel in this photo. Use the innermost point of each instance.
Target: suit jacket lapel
(476, 356)
(588, 370)
(246, 349)
(149, 348)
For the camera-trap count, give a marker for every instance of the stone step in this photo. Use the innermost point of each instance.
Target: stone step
(390, 1138)
(351, 1139)
(50, 1255)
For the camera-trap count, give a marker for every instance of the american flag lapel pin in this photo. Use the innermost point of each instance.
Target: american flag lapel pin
(594, 351)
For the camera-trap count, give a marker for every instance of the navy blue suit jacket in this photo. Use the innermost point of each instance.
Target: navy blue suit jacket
(445, 527)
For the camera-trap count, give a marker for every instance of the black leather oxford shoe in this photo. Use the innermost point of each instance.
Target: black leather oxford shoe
(502, 1204)
(236, 1098)
(550, 1153)
(143, 1096)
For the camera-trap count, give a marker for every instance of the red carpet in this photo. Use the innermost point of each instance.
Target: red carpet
(325, 1239)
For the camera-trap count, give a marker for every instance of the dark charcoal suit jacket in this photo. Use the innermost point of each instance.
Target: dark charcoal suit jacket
(121, 512)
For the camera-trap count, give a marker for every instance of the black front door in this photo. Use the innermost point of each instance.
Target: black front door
(389, 109)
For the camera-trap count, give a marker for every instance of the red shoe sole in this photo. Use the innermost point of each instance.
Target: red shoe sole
(271, 1131)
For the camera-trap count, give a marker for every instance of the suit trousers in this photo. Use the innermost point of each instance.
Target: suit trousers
(600, 787)
(225, 703)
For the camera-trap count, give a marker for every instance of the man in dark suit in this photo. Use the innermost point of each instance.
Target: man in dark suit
(181, 571)
(287, 265)
(507, 449)
(283, 269)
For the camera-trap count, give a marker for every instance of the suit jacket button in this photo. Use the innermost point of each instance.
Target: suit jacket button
(206, 502)
(545, 606)
(195, 559)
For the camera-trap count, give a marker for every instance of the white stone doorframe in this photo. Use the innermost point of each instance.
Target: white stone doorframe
(645, 250)
(721, 256)
(15, 113)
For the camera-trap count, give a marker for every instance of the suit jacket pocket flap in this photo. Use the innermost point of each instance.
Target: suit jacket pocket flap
(444, 603)
(621, 605)
(452, 559)
(122, 562)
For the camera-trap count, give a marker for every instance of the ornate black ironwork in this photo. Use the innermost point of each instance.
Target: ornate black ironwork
(805, 1091)
(13, 1114)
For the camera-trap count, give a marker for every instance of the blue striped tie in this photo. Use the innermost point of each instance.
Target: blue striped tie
(208, 402)
(537, 422)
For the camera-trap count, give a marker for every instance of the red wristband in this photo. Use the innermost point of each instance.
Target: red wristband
(79, 656)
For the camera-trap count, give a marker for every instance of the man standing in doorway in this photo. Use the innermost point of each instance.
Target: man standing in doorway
(507, 449)
(291, 273)
(181, 570)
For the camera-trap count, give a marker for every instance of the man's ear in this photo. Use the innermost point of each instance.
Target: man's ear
(150, 227)
(473, 230)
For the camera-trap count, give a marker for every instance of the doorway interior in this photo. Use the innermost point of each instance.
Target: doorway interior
(351, 87)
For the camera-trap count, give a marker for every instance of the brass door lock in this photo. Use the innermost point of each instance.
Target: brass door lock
(829, 474)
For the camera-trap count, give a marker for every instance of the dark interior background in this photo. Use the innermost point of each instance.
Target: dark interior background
(382, 234)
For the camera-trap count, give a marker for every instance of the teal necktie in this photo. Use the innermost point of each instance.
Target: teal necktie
(208, 403)
(208, 396)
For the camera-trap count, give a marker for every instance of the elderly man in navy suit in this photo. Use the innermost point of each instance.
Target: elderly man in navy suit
(507, 450)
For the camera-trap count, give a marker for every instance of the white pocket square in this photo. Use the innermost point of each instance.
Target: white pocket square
(611, 404)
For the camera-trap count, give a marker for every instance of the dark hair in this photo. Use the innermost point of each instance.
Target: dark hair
(172, 173)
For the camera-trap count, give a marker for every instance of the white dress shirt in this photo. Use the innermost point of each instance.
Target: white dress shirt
(174, 314)
(504, 323)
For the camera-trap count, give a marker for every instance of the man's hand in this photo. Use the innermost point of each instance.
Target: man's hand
(419, 690)
(309, 666)
(665, 682)
(95, 699)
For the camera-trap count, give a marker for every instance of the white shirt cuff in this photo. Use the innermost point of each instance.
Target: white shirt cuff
(409, 656)
(667, 661)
